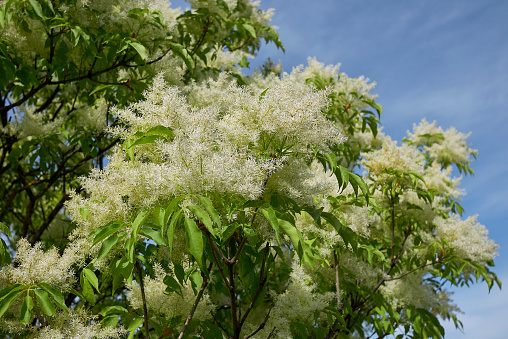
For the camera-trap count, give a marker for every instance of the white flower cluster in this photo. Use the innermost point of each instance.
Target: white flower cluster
(303, 183)
(440, 180)
(28, 124)
(298, 303)
(76, 324)
(33, 265)
(468, 238)
(450, 148)
(216, 147)
(169, 306)
(399, 158)
(411, 291)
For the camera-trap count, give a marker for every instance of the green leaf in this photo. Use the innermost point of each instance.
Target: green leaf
(78, 33)
(107, 245)
(250, 29)
(4, 253)
(179, 273)
(4, 228)
(50, 5)
(182, 53)
(90, 276)
(161, 130)
(110, 321)
(84, 211)
(87, 290)
(9, 298)
(170, 209)
(149, 139)
(196, 281)
(207, 204)
(142, 51)
(4, 292)
(171, 228)
(55, 294)
(332, 161)
(26, 310)
(269, 215)
(172, 285)
(203, 217)
(140, 219)
(154, 235)
(44, 302)
(100, 88)
(115, 309)
(354, 178)
(229, 231)
(106, 230)
(252, 236)
(342, 175)
(37, 8)
(294, 235)
(194, 241)
(133, 326)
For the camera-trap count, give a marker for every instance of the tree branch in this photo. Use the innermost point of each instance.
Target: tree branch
(262, 281)
(37, 235)
(143, 299)
(196, 302)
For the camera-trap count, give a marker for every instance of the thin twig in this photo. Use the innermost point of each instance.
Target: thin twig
(263, 324)
(196, 302)
(143, 299)
(262, 282)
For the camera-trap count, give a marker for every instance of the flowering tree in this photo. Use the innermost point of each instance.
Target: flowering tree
(269, 205)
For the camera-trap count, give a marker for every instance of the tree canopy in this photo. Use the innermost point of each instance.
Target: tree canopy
(150, 189)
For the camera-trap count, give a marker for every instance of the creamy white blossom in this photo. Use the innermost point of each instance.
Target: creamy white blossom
(449, 147)
(467, 238)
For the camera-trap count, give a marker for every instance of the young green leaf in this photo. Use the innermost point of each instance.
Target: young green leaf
(250, 29)
(269, 215)
(106, 231)
(4, 228)
(148, 139)
(107, 245)
(90, 276)
(84, 211)
(203, 217)
(196, 281)
(294, 235)
(175, 219)
(207, 204)
(44, 302)
(182, 53)
(37, 8)
(154, 235)
(142, 51)
(194, 241)
(26, 310)
(55, 294)
(114, 309)
(140, 219)
(9, 298)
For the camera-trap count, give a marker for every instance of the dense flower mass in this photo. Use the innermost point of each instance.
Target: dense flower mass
(154, 190)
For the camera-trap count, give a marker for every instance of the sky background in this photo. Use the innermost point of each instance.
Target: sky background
(440, 60)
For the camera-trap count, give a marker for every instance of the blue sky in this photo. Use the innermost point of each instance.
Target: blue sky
(440, 60)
